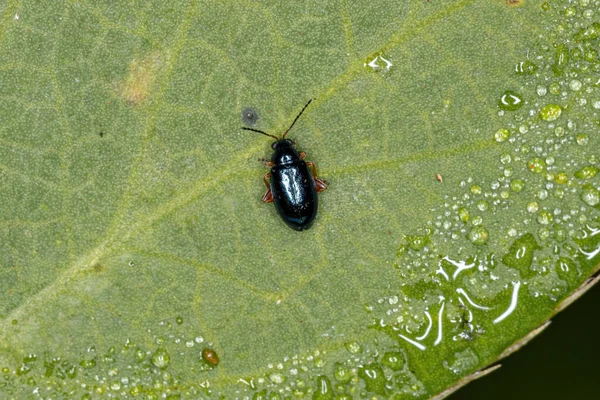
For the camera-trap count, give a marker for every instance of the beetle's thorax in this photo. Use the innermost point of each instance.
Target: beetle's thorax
(284, 152)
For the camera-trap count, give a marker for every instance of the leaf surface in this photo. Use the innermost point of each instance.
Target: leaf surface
(459, 140)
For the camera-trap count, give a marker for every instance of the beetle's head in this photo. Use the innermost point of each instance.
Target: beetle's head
(283, 144)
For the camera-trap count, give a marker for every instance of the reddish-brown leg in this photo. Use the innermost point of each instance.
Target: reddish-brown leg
(302, 155)
(320, 184)
(267, 163)
(268, 197)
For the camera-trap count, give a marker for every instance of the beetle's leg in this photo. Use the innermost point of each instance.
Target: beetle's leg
(268, 197)
(302, 155)
(320, 184)
(267, 163)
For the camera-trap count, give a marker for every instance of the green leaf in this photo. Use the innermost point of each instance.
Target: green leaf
(459, 140)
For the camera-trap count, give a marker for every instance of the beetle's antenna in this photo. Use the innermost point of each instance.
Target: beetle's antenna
(286, 132)
(264, 133)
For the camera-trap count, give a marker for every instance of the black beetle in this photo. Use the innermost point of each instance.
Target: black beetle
(292, 187)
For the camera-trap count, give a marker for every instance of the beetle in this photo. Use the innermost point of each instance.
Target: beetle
(290, 184)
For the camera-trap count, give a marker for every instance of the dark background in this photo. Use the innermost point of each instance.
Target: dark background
(561, 363)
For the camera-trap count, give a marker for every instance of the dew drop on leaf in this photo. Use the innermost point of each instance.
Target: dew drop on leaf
(590, 195)
(374, 379)
(353, 347)
(324, 389)
(161, 358)
(341, 373)
(520, 253)
(587, 172)
(478, 235)
(551, 112)
(502, 135)
(510, 101)
(393, 360)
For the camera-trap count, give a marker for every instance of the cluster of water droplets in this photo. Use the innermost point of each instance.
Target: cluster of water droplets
(531, 231)
(367, 371)
(127, 370)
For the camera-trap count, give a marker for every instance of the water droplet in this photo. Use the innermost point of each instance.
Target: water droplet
(590, 55)
(542, 194)
(341, 373)
(551, 112)
(510, 101)
(276, 377)
(476, 189)
(502, 135)
(554, 88)
(393, 360)
(417, 242)
(161, 358)
(140, 355)
(575, 85)
(564, 267)
(88, 363)
(560, 233)
(587, 172)
(526, 68)
(517, 185)
(590, 195)
(23, 369)
(464, 215)
(374, 378)
(536, 165)
(533, 207)
(520, 253)
(478, 235)
(353, 347)
(379, 62)
(541, 90)
(561, 58)
(30, 358)
(582, 139)
(483, 205)
(462, 362)
(544, 218)
(561, 178)
(324, 389)
(179, 320)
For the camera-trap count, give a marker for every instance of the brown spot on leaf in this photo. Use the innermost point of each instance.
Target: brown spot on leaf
(98, 267)
(140, 78)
